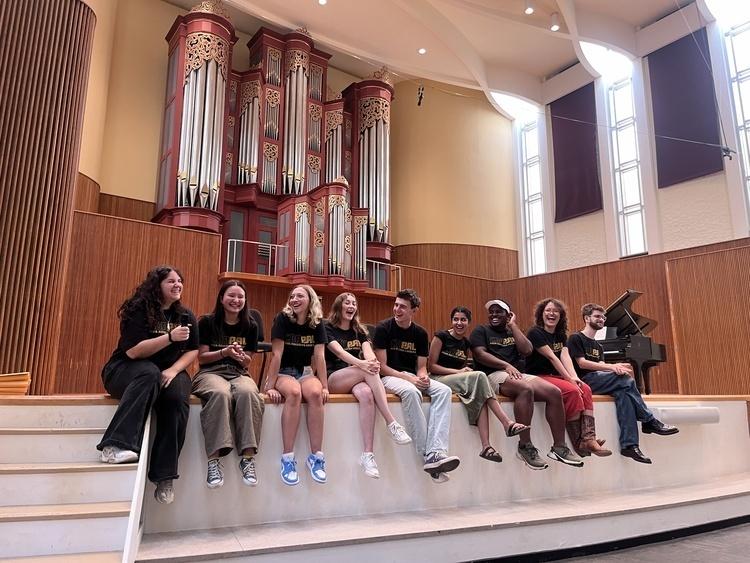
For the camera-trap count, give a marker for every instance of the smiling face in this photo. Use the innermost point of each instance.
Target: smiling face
(497, 317)
(403, 312)
(171, 288)
(596, 319)
(460, 323)
(550, 316)
(299, 301)
(348, 307)
(233, 301)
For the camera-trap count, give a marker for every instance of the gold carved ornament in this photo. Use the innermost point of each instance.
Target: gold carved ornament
(230, 121)
(348, 216)
(228, 158)
(333, 120)
(384, 75)
(250, 90)
(359, 222)
(313, 162)
(336, 201)
(273, 97)
(270, 151)
(320, 207)
(295, 59)
(211, 7)
(300, 209)
(233, 86)
(348, 243)
(274, 54)
(202, 47)
(372, 110)
(316, 111)
(319, 239)
(332, 94)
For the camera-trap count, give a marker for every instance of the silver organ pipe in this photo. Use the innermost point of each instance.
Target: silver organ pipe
(254, 140)
(295, 123)
(208, 130)
(247, 166)
(185, 131)
(374, 182)
(197, 135)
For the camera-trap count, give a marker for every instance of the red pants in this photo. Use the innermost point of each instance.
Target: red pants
(573, 402)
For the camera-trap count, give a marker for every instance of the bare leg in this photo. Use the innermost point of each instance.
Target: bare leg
(483, 425)
(290, 389)
(553, 408)
(378, 394)
(522, 394)
(312, 391)
(343, 380)
(494, 406)
(366, 414)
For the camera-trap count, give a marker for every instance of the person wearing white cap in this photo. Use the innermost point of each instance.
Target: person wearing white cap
(499, 349)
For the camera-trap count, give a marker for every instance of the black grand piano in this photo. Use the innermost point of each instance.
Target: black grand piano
(625, 339)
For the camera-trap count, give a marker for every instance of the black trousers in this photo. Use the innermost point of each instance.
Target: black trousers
(136, 384)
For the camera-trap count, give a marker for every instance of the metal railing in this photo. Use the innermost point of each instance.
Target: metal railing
(267, 252)
(381, 275)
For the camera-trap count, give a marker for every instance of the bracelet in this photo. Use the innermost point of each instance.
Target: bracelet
(221, 352)
(169, 336)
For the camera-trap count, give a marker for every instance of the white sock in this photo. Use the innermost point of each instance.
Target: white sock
(288, 457)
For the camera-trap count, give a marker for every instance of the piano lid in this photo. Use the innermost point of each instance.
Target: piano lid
(621, 316)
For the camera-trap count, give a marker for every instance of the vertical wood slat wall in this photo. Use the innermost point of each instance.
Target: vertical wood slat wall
(109, 257)
(45, 52)
(708, 294)
(467, 259)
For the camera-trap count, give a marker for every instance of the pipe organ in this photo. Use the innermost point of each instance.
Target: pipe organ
(272, 155)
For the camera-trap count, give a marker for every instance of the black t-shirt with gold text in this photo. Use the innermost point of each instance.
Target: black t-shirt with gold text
(350, 340)
(536, 364)
(581, 346)
(454, 352)
(299, 341)
(230, 334)
(499, 343)
(136, 329)
(402, 345)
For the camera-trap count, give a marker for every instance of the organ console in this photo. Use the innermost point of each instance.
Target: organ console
(626, 340)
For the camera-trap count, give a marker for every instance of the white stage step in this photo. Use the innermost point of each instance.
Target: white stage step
(63, 528)
(65, 483)
(460, 534)
(43, 445)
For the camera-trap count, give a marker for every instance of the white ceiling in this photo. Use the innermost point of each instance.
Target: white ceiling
(483, 44)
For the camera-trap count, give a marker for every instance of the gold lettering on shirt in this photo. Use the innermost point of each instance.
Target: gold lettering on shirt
(557, 347)
(507, 341)
(594, 352)
(353, 344)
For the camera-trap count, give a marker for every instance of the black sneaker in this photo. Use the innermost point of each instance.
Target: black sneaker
(438, 462)
(528, 454)
(656, 426)
(635, 453)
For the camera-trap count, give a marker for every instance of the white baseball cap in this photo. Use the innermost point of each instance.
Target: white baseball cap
(501, 304)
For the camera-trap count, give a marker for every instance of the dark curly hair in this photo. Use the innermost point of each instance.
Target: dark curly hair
(562, 325)
(245, 320)
(465, 310)
(148, 295)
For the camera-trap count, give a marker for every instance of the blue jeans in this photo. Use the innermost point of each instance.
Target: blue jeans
(628, 402)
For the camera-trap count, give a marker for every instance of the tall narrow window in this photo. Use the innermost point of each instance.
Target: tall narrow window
(626, 168)
(738, 52)
(531, 188)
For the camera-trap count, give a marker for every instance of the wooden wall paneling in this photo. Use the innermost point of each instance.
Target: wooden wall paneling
(45, 52)
(126, 207)
(468, 259)
(708, 294)
(86, 194)
(109, 257)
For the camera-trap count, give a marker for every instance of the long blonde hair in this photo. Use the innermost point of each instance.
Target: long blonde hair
(314, 310)
(335, 316)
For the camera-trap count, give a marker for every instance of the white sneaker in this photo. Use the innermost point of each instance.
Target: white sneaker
(398, 433)
(367, 461)
(113, 454)
(440, 477)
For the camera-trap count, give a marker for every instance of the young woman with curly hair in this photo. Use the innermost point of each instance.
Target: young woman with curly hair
(297, 370)
(158, 341)
(551, 361)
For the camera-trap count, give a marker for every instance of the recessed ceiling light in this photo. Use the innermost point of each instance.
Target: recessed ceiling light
(555, 22)
(322, 2)
(529, 8)
(421, 50)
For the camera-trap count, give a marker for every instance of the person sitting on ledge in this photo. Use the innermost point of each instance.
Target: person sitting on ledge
(232, 406)
(449, 353)
(298, 342)
(498, 349)
(353, 368)
(401, 348)
(616, 380)
(158, 341)
(551, 361)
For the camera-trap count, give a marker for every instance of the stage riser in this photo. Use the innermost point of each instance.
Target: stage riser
(66, 487)
(697, 454)
(21, 539)
(56, 416)
(41, 448)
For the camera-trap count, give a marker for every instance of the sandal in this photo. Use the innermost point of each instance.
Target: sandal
(490, 454)
(515, 429)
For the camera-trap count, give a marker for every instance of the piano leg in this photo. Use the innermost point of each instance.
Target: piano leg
(647, 379)
(638, 374)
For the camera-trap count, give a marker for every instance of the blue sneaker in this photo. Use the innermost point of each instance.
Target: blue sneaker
(317, 467)
(289, 472)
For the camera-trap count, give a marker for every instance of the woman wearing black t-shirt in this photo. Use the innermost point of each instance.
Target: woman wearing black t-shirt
(298, 369)
(232, 406)
(551, 361)
(353, 368)
(158, 341)
(449, 352)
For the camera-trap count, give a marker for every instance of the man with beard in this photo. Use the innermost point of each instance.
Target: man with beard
(499, 349)
(616, 380)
